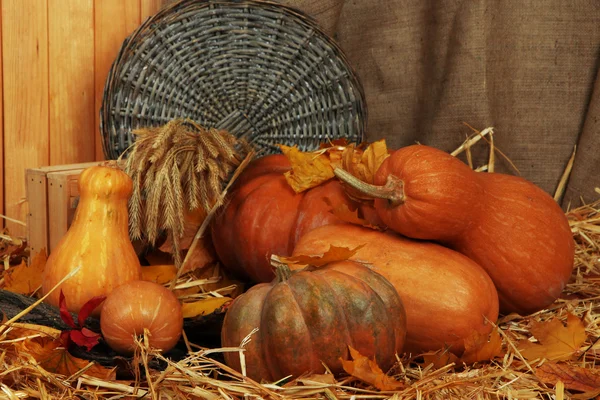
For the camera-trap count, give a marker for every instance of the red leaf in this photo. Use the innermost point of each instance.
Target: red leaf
(87, 309)
(65, 338)
(64, 312)
(88, 333)
(85, 338)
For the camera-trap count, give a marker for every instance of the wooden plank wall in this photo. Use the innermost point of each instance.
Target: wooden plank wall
(55, 56)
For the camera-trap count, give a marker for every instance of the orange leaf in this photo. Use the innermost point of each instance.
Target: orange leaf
(24, 279)
(574, 377)
(368, 371)
(439, 358)
(364, 164)
(343, 213)
(192, 221)
(202, 255)
(203, 307)
(479, 347)
(333, 254)
(159, 273)
(19, 330)
(307, 169)
(556, 341)
(53, 357)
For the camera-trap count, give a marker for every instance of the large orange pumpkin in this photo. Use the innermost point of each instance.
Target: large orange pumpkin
(447, 296)
(264, 216)
(309, 318)
(508, 225)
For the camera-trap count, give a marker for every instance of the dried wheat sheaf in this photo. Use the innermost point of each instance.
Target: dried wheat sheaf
(177, 168)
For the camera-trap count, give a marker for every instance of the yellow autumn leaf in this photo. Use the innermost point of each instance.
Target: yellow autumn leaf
(479, 347)
(25, 279)
(556, 341)
(333, 254)
(364, 164)
(203, 307)
(54, 357)
(368, 371)
(159, 273)
(308, 169)
(574, 377)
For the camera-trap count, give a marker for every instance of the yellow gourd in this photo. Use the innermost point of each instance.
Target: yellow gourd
(97, 242)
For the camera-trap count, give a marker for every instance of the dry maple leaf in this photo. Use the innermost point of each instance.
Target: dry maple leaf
(364, 164)
(307, 169)
(479, 347)
(54, 357)
(368, 371)
(345, 214)
(574, 377)
(556, 341)
(159, 273)
(439, 358)
(333, 254)
(24, 279)
(192, 220)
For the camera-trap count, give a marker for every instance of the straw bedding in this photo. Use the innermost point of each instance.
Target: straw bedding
(201, 375)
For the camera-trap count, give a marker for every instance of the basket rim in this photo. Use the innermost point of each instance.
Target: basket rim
(173, 8)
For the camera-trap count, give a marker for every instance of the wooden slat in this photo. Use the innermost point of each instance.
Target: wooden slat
(151, 7)
(1, 135)
(25, 79)
(67, 167)
(114, 21)
(71, 64)
(40, 214)
(58, 204)
(37, 218)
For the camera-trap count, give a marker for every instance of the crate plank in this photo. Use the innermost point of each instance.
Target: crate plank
(114, 21)
(37, 217)
(25, 80)
(1, 140)
(71, 59)
(53, 194)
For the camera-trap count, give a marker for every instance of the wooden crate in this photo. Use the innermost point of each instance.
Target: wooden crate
(52, 194)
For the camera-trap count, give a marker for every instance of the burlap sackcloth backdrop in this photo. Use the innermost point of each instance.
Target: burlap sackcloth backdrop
(527, 68)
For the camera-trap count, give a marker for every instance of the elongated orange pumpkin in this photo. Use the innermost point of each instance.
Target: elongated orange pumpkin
(97, 242)
(264, 216)
(508, 225)
(447, 296)
(309, 318)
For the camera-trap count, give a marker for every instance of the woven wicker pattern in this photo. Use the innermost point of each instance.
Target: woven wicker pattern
(255, 68)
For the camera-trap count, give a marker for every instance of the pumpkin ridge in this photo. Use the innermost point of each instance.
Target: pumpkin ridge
(379, 279)
(320, 283)
(374, 299)
(274, 368)
(341, 307)
(241, 327)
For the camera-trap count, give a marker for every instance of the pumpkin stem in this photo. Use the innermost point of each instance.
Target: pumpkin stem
(393, 190)
(282, 272)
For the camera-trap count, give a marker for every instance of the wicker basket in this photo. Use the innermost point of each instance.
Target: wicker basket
(256, 68)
